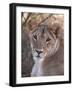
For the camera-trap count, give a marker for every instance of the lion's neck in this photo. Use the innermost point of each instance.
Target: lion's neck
(37, 68)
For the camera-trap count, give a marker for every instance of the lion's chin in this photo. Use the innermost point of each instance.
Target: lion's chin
(35, 58)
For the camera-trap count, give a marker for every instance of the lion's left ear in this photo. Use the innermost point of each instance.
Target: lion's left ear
(57, 29)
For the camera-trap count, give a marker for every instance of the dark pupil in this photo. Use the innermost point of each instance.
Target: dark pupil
(35, 37)
(48, 39)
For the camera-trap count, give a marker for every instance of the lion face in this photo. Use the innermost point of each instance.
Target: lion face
(43, 42)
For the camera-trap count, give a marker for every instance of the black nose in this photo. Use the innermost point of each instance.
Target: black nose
(38, 51)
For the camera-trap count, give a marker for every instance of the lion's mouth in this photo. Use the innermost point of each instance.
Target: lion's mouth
(38, 56)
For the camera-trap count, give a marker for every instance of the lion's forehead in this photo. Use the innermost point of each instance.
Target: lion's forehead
(41, 34)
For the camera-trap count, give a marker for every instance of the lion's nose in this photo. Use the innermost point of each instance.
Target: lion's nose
(39, 52)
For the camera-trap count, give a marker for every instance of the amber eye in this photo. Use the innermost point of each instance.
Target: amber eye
(35, 37)
(48, 39)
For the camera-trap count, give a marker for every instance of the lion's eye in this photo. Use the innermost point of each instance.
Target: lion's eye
(35, 37)
(48, 39)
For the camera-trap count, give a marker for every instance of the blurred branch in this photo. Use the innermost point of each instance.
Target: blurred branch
(45, 19)
(27, 18)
